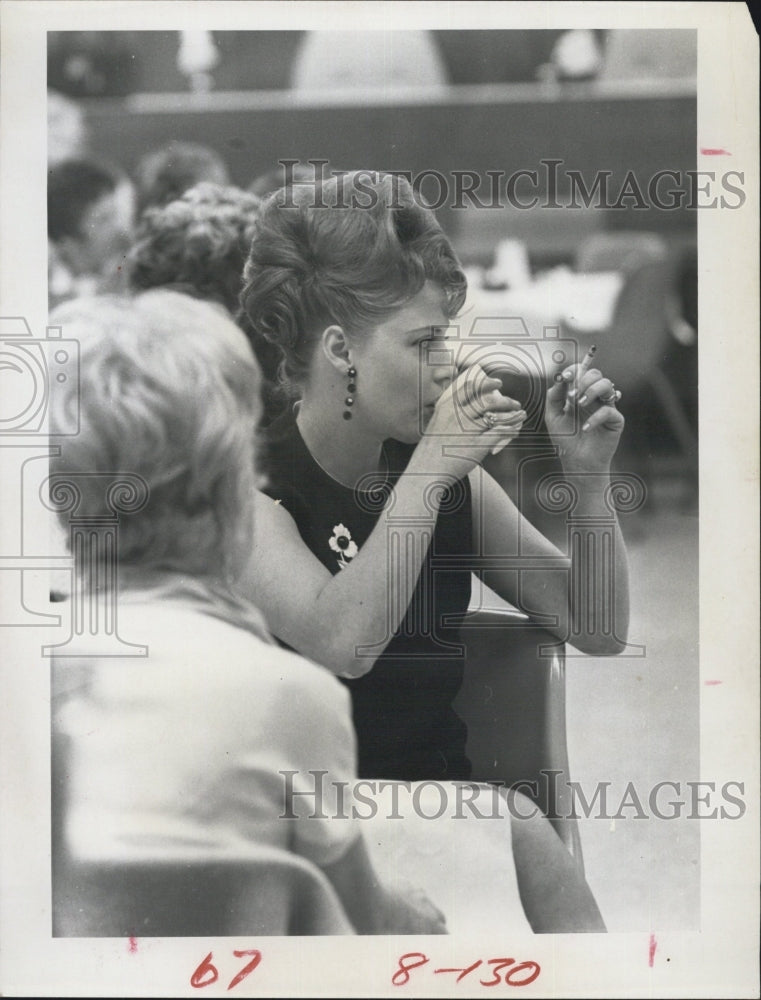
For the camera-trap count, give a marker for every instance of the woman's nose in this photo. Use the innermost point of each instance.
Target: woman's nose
(442, 376)
(442, 365)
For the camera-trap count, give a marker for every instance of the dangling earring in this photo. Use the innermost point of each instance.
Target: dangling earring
(351, 388)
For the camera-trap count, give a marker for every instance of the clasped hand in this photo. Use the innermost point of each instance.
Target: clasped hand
(580, 412)
(473, 413)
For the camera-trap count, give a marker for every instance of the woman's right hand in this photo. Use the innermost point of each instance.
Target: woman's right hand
(471, 419)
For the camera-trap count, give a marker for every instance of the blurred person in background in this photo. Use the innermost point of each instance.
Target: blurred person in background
(165, 174)
(512, 56)
(95, 63)
(90, 222)
(198, 244)
(67, 131)
(179, 754)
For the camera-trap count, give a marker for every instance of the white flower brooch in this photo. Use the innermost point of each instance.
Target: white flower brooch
(342, 543)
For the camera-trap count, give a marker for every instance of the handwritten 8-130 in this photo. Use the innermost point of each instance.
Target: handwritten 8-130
(502, 971)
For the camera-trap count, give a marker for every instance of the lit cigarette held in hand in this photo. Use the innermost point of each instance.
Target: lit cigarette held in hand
(588, 359)
(583, 367)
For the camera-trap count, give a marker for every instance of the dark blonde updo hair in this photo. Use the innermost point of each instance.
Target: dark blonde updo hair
(349, 252)
(197, 244)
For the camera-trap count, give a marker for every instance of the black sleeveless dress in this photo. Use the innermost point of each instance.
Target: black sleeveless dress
(406, 727)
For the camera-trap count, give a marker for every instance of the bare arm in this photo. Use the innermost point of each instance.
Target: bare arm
(329, 618)
(585, 590)
(594, 618)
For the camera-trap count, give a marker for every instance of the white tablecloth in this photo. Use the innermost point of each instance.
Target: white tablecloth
(541, 312)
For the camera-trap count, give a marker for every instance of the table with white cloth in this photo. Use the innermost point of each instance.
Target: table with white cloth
(548, 307)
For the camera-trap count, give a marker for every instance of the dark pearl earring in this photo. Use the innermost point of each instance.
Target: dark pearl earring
(351, 374)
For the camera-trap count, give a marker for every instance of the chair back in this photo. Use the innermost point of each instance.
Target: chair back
(513, 703)
(267, 891)
(639, 336)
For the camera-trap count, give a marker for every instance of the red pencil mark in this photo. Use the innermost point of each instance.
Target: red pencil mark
(651, 952)
(714, 152)
(711, 683)
(133, 946)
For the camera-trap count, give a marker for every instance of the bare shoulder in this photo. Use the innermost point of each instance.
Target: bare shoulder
(272, 512)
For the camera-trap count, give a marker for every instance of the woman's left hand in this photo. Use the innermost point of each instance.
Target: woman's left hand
(582, 419)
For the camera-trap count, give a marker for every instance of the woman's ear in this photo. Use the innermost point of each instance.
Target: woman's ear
(336, 347)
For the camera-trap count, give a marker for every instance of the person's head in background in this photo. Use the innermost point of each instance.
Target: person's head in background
(167, 173)
(90, 219)
(168, 391)
(67, 132)
(197, 244)
(334, 282)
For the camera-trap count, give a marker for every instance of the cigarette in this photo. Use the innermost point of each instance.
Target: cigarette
(588, 359)
(584, 366)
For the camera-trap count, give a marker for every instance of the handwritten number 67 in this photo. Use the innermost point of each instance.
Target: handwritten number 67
(207, 972)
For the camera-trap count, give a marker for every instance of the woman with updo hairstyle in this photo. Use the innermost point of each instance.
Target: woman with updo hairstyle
(377, 508)
(376, 468)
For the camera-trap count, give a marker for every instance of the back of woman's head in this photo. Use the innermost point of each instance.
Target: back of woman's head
(198, 244)
(349, 252)
(168, 391)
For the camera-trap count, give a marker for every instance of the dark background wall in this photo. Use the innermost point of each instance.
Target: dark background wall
(114, 63)
(136, 99)
(588, 136)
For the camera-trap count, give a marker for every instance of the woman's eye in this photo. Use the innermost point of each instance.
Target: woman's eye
(435, 333)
